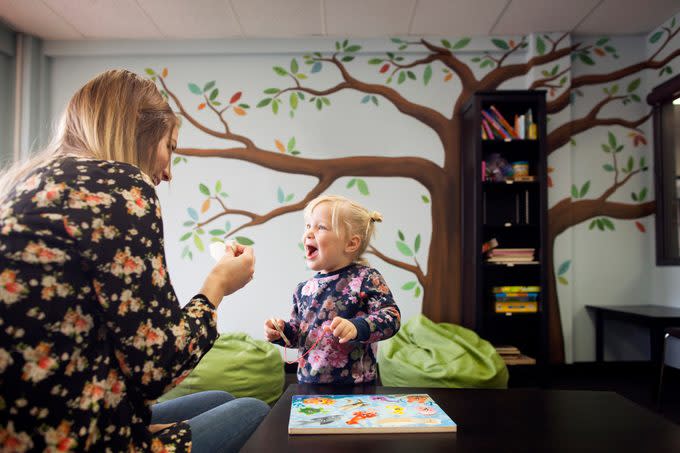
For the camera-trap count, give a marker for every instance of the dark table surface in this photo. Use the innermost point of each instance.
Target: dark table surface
(526, 420)
(650, 311)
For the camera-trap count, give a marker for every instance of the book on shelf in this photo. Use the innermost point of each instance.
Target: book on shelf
(506, 349)
(489, 245)
(496, 125)
(516, 307)
(516, 289)
(503, 122)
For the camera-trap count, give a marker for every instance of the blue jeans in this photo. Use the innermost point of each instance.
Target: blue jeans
(219, 421)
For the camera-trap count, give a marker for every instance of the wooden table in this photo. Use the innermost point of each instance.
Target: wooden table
(654, 317)
(526, 420)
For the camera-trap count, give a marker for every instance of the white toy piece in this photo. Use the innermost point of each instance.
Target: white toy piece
(218, 249)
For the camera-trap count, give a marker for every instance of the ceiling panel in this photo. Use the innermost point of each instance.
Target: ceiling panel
(273, 18)
(526, 16)
(456, 17)
(100, 19)
(628, 16)
(368, 17)
(35, 18)
(202, 19)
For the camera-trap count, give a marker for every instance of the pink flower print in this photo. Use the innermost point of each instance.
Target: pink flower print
(11, 288)
(310, 287)
(337, 358)
(355, 284)
(317, 358)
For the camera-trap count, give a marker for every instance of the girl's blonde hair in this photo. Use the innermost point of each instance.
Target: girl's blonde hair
(349, 217)
(118, 115)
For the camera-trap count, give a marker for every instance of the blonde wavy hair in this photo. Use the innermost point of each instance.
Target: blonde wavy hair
(350, 218)
(118, 115)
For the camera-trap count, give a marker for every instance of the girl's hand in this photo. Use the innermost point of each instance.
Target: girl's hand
(232, 272)
(270, 332)
(343, 329)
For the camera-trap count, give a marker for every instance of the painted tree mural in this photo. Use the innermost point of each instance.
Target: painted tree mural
(441, 281)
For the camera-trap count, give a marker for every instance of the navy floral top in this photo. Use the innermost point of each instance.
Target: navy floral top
(357, 293)
(90, 327)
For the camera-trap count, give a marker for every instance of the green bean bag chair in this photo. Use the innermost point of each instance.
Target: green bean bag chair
(238, 364)
(426, 354)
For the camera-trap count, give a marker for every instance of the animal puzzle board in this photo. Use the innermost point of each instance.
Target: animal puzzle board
(356, 414)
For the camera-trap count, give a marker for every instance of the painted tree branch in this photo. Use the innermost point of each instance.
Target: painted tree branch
(462, 70)
(544, 82)
(568, 213)
(400, 264)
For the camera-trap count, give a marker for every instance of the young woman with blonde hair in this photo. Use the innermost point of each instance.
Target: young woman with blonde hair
(91, 330)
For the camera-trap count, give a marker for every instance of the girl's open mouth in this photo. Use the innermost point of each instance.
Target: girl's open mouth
(311, 251)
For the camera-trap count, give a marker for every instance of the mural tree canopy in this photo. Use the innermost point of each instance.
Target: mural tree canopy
(441, 281)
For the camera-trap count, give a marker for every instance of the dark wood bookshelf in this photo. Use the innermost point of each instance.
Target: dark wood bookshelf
(512, 212)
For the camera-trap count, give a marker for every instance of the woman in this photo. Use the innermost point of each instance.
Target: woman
(91, 331)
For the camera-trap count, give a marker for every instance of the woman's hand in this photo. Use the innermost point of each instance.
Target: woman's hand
(270, 332)
(343, 329)
(231, 273)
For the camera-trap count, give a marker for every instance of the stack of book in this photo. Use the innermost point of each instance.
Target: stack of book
(516, 299)
(511, 256)
(513, 356)
(495, 126)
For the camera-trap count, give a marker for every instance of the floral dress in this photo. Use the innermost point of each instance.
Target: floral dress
(90, 327)
(357, 293)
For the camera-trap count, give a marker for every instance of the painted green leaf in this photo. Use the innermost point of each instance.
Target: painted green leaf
(632, 86)
(291, 144)
(655, 37)
(218, 186)
(612, 140)
(326, 101)
(601, 42)
(642, 162)
(294, 68)
(584, 189)
(446, 43)
(540, 45)
(401, 236)
(427, 74)
(271, 91)
(416, 244)
(188, 223)
(615, 89)
(289, 197)
(353, 48)
(319, 104)
(243, 240)
(416, 293)
(608, 167)
(316, 67)
(486, 63)
(280, 195)
(606, 148)
(592, 225)
(186, 236)
(634, 196)
(461, 43)
(293, 100)
(280, 71)
(224, 194)
(347, 58)
(425, 199)
(643, 194)
(607, 223)
(574, 191)
(217, 232)
(402, 77)
(635, 97)
(586, 59)
(563, 280)
(295, 152)
(204, 189)
(404, 249)
(208, 86)
(351, 183)
(214, 94)
(275, 106)
(631, 162)
(409, 285)
(150, 71)
(375, 61)
(500, 43)
(411, 75)
(264, 102)
(194, 88)
(193, 214)
(176, 160)
(362, 186)
(200, 231)
(564, 267)
(199, 243)
(374, 100)
(599, 224)
(227, 225)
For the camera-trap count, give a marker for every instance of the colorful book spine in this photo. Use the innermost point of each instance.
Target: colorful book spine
(516, 289)
(489, 131)
(516, 307)
(501, 119)
(496, 126)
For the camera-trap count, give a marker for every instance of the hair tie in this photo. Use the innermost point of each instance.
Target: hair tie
(376, 216)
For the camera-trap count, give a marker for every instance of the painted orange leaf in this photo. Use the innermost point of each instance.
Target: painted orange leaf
(550, 169)
(448, 77)
(511, 43)
(280, 146)
(640, 227)
(206, 205)
(239, 111)
(165, 72)
(235, 97)
(600, 52)
(201, 106)
(384, 68)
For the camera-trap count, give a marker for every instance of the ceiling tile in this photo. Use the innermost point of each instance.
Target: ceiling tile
(275, 18)
(105, 19)
(368, 18)
(35, 18)
(628, 16)
(526, 16)
(457, 17)
(199, 19)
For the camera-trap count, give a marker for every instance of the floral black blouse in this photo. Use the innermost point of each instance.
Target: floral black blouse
(91, 331)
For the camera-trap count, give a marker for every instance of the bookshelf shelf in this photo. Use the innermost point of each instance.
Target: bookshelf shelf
(509, 217)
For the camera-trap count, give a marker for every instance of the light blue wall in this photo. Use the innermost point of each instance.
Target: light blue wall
(7, 60)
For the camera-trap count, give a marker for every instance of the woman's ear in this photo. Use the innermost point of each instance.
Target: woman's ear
(353, 244)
